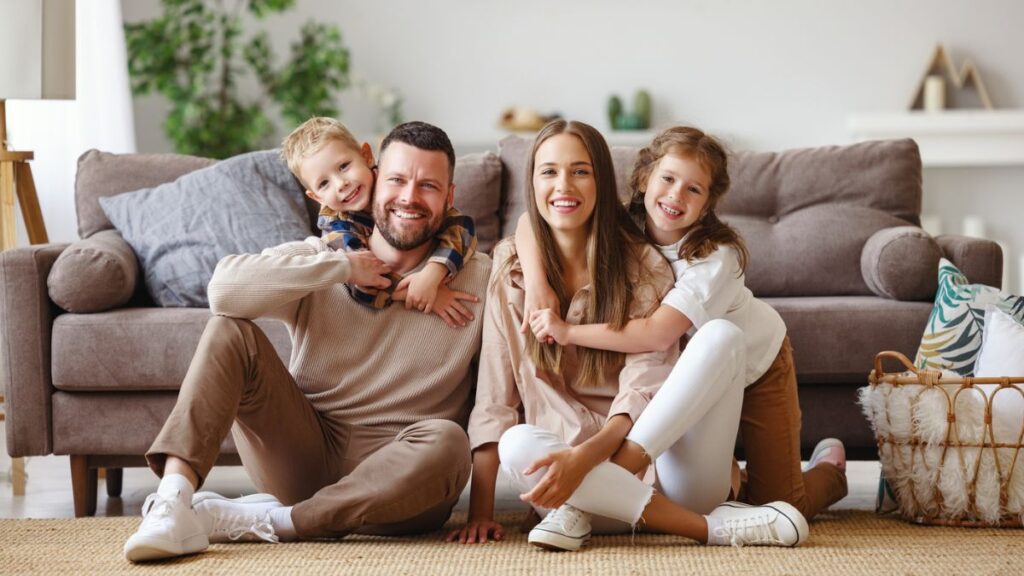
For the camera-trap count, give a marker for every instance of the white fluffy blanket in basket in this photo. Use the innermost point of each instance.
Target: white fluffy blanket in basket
(921, 458)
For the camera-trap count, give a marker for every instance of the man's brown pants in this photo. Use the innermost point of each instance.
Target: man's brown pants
(339, 477)
(770, 427)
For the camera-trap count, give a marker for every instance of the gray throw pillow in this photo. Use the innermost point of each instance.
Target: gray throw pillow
(180, 230)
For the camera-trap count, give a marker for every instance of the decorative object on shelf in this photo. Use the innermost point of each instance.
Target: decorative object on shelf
(941, 79)
(194, 55)
(522, 119)
(638, 119)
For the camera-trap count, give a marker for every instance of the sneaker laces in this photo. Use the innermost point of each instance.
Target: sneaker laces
(751, 530)
(565, 516)
(241, 525)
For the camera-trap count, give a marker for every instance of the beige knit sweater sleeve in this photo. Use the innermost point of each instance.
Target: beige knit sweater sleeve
(273, 283)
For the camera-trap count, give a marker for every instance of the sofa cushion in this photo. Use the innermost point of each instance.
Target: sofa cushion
(953, 334)
(478, 195)
(180, 230)
(835, 338)
(94, 274)
(104, 174)
(135, 348)
(898, 262)
(95, 424)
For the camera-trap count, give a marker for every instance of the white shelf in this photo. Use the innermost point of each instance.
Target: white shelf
(952, 137)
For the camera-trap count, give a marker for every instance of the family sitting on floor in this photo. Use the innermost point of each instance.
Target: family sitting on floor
(570, 339)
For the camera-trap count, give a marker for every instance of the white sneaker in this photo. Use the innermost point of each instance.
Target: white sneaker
(170, 527)
(832, 447)
(566, 528)
(245, 519)
(772, 524)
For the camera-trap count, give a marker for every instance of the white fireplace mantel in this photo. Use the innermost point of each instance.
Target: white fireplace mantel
(953, 137)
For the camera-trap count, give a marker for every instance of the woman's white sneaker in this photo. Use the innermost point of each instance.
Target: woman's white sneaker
(566, 528)
(170, 527)
(245, 519)
(772, 524)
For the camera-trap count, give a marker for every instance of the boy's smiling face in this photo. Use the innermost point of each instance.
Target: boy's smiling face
(339, 177)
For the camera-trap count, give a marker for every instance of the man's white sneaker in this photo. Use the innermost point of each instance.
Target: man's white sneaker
(772, 524)
(170, 527)
(245, 519)
(566, 528)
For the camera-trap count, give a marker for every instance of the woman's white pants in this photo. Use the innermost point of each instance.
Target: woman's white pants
(688, 430)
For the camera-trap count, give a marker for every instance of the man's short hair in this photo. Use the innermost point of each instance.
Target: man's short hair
(425, 137)
(310, 137)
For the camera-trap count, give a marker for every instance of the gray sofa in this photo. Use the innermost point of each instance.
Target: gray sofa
(91, 368)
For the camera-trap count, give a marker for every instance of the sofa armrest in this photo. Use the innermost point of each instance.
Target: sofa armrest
(26, 321)
(980, 260)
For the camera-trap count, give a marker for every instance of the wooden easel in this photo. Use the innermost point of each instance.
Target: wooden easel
(16, 181)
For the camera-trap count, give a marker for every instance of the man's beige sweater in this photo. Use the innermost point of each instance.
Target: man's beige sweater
(390, 367)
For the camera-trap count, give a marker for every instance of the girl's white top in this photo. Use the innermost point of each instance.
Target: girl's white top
(713, 287)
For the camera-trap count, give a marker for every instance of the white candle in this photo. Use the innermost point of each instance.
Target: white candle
(934, 93)
(974, 226)
(932, 224)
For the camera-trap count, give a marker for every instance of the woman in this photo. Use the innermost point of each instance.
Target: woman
(571, 456)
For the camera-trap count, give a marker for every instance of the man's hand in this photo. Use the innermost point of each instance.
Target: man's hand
(448, 307)
(423, 287)
(367, 270)
(477, 530)
(549, 327)
(566, 470)
(539, 296)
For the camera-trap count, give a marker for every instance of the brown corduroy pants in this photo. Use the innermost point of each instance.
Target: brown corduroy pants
(770, 427)
(339, 477)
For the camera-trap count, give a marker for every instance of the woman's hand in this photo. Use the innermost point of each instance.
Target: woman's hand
(539, 296)
(549, 327)
(566, 470)
(477, 531)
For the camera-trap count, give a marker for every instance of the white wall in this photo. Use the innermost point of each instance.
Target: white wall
(767, 75)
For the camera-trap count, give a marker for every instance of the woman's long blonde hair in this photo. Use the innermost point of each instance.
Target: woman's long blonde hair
(709, 232)
(614, 242)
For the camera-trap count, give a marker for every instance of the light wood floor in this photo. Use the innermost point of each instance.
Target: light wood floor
(48, 494)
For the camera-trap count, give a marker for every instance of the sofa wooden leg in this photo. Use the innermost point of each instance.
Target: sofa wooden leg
(115, 479)
(83, 486)
(18, 476)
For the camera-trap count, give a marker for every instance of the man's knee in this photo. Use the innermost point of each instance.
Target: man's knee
(445, 444)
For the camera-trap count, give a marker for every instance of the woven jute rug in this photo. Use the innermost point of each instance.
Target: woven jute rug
(840, 543)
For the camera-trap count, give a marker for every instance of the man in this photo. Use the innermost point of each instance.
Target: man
(363, 433)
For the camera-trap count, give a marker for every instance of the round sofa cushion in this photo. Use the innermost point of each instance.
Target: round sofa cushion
(899, 263)
(94, 274)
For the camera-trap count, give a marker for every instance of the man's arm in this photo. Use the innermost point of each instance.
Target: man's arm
(272, 283)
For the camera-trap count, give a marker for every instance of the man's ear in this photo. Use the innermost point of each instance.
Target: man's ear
(367, 153)
(451, 195)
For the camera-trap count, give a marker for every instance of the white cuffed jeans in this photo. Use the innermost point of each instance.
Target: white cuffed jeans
(688, 430)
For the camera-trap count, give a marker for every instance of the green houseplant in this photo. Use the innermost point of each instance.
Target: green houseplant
(194, 55)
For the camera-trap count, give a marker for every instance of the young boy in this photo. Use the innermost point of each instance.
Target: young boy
(339, 174)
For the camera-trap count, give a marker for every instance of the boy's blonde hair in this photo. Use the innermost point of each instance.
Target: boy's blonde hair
(310, 137)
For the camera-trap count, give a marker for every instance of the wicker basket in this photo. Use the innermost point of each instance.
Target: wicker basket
(944, 458)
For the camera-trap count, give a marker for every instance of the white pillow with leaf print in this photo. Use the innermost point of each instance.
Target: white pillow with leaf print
(952, 337)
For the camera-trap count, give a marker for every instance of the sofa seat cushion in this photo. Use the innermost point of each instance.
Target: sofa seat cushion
(135, 349)
(835, 338)
(95, 424)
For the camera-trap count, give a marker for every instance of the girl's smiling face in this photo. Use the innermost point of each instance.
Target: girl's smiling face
(675, 198)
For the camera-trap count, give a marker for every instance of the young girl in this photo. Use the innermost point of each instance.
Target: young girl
(677, 182)
(580, 404)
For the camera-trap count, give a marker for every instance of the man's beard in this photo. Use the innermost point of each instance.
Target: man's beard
(403, 239)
